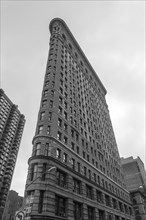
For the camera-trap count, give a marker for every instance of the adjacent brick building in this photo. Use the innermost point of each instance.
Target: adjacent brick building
(74, 133)
(135, 175)
(11, 129)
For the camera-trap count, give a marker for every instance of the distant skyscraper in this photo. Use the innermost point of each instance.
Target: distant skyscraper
(11, 129)
(74, 133)
(135, 175)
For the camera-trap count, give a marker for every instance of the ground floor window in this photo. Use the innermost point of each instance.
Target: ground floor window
(77, 210)
(60, 206)
(90, 213)
(101, 215)
(41, 198)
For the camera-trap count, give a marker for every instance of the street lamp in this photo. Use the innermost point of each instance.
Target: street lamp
(52, 168)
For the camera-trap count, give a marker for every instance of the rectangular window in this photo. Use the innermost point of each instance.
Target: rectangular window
(52, 93)
(44, 169)
(61, 178)
(65, 105)
(107, 200)
(114, 203)
(91, 213)
(85, 171)
(89, 192)
(101, 214)
(40, 129)
(75, 123)
(47, 83)
(59, 122)
(33, 172)
(83, 142)
(73, 163)
(78, 167)
(60, 206)
(77, 210)
(65, 127)
(78, 150)
(37, 149)
(58, 153)
(99, 196)
(65, 158)
(72, 132)
(45, 93)
(89, 172)
(60, 100)
(65, 139)
(77, 137)
(94, 177)
(48, 129)
(65, 115)
(84, 154)
(41, 198)
(50, 116)
(72, 146)
(65, 95)
(76, 186)
(51, 104)
(60, 110)
(61, 90)
(71, 119)
(59, 135)
(42, 115)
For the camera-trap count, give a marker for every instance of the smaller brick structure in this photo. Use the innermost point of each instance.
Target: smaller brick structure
(135, 176)
(13, 203)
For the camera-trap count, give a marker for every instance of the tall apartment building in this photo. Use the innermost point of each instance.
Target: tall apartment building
(135, 176)
(11, 129)
(74, 133)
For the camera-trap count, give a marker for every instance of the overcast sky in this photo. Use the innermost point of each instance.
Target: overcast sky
(111, 34)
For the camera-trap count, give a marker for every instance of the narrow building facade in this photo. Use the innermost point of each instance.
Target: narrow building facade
(11, 129)
(74, 134)
(135, 176)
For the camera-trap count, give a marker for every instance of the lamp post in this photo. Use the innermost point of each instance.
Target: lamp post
(52, 168)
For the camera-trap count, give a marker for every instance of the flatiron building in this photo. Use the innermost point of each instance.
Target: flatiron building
(74, 133)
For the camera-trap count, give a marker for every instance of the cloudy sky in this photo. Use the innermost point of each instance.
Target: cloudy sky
(111, 34)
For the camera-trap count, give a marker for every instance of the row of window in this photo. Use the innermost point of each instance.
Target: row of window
(60, 123)
(77, 167)
(64, 85)
(86, 156)
(73, 122)
(75, 60)
(87, 173)
(92, 113)
(75, 113)
(61, 209)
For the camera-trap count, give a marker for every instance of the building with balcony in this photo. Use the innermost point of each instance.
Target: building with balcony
(135, 176)
(74, 133)
(11, 129)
